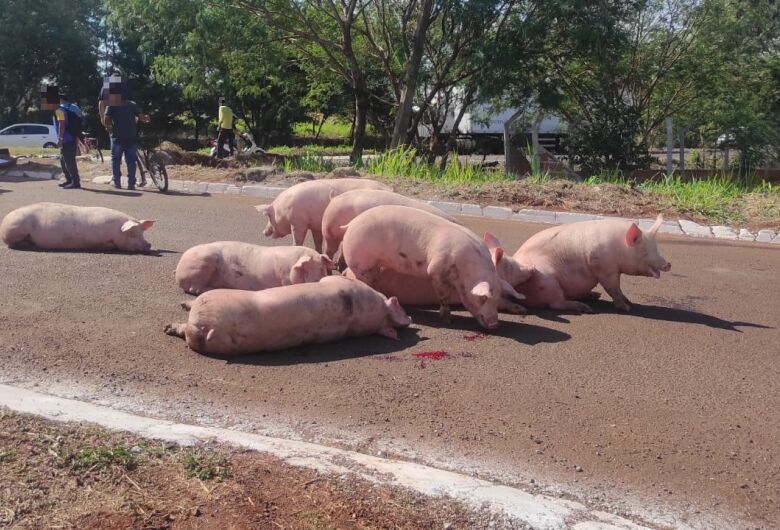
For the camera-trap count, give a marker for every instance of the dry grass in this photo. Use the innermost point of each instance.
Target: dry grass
(78, 476)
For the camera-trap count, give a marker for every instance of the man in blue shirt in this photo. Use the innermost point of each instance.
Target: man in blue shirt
(68, 119)
(120, 122)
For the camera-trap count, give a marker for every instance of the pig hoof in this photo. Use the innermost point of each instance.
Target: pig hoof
(172, 329)
(186, 305)
(623, 306)
(593, 295)
(445, 315)
(516, 309)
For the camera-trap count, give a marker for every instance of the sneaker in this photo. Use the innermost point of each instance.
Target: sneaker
(117, 185)
(72, 186)
(131, 187)
(64, 183)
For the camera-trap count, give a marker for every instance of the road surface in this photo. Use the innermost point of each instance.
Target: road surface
(670, 412)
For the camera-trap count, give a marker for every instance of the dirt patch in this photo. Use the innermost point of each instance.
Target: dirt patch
(80, 476)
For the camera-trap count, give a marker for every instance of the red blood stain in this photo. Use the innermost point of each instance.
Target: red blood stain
(433, 355)
(476, 336)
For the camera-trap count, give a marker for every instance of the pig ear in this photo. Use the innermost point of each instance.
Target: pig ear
(327, 262)
(482, 290)
(392, 301)
(303, 260)
(658, 221)
(388, 332)
(146, 224)
(499, 254)
(491, 241)
(633, 235)
(129, 225)
(267, 209)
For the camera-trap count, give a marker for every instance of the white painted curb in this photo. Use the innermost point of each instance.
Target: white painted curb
(682, 227)
(539, 511)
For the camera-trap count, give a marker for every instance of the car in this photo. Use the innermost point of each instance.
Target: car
(29, 135)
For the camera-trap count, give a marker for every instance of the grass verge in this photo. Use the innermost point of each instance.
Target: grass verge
(79, 476)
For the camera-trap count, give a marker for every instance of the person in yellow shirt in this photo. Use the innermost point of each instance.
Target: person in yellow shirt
(225, 129)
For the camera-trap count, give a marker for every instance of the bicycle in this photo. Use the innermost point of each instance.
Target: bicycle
(151, 161)
(92, 144)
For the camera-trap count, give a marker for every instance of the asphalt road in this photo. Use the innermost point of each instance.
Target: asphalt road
(671, 410)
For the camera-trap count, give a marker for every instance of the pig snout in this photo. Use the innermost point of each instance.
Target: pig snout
(488, 322)
(269, 230)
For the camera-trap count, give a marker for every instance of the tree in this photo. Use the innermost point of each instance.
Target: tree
(54, 40)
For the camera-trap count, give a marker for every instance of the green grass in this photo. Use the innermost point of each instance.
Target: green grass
(311, 163)
(315, 149)
(404, 163)
(103, 457)
(32, 151)
(714, 198)
(205, 465)
(332, 128)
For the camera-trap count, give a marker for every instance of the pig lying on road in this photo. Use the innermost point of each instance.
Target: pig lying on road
(347, 206)
(50, 225)
(236, 265)
(421, 244)
(233, 322)
(299, 208)
(568, 261)
(415, 290)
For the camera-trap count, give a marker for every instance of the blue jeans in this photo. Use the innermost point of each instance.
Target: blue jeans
(118, 147)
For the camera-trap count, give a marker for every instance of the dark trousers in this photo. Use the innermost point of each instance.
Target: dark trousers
(225, 135)
(128, 148)
(68, 162)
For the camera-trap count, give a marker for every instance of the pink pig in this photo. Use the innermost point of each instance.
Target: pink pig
(415, 290)
(233, 322)
(236, 265)
(568, 261)
(347, 206)
(300, 208)
(421, 244)
(49, 225)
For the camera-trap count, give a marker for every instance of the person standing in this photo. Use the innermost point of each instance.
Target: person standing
(120, 121)
(69, 120)
(225, 129)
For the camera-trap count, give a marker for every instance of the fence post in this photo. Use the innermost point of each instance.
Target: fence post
(683, 130)
(669, 147)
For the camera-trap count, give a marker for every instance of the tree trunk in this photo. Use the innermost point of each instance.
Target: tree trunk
(361, 116)
(404, 115)
(452, 143)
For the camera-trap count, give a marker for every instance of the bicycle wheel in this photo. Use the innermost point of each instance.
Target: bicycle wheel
(158, 172)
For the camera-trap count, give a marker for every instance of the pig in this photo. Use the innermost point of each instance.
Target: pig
(417, 243)
(568, 261)
(348, 205)
(233, 322)
(49, 225)
(236, 265)
(414, 290)
(299, 208)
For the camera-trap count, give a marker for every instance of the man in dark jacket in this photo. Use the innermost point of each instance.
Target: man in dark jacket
(68, 117)
(120, 121)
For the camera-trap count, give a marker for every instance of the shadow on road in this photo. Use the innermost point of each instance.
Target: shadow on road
(332, 351)
(117, 192)
(29, 247)
(677, 314)
(529, 334)
(173, 193)
(5, 191)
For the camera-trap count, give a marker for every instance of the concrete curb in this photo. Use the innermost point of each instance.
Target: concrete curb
(32, 175)
(543, 512)
(682, 227)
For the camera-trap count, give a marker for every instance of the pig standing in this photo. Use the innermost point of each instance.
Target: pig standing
(347, 206)
(299, 208)
(568, 261)
(236, 265)
(233, 322)
(421, 244)
(50, 225)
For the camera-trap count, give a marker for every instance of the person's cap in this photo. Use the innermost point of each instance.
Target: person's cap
(63, 93)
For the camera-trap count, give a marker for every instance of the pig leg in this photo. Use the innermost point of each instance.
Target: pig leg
(175, 330)
(442, 286)
(317, 235)
(611, 284)
(186, 305)
(299, 234)
(556, 298)
(507, 306)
